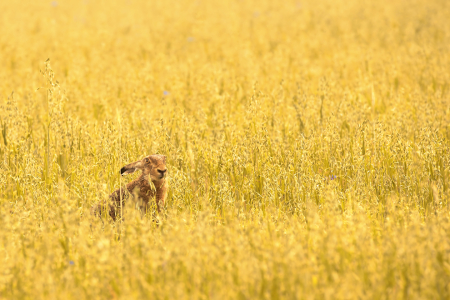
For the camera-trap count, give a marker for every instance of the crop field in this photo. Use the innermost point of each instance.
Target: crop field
(307, 144)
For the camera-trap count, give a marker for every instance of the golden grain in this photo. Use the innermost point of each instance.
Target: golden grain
(308, 148)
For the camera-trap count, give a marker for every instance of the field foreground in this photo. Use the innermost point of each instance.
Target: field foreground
(308, 148)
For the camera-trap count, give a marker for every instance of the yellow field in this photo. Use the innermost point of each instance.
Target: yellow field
(308, 147)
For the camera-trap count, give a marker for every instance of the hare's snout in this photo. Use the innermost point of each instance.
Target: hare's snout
(162, 173)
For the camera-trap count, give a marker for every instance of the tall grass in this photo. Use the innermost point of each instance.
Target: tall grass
(308, 148)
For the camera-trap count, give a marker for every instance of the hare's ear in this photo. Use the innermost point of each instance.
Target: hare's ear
(130, 168)
(125, 170)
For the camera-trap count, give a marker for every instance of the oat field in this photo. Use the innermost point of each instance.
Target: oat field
(307, 143)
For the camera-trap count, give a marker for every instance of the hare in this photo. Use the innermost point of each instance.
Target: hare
(153, 169)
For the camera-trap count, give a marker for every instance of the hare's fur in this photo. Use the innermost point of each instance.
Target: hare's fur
(153, 169)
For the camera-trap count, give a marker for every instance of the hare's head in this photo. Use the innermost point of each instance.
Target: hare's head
(153, 166)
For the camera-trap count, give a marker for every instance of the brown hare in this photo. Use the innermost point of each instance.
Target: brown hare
(153, 169)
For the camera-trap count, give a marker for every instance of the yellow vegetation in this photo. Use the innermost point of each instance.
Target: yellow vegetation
(307, 143)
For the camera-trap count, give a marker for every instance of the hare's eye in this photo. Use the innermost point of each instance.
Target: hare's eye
(147, 160)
